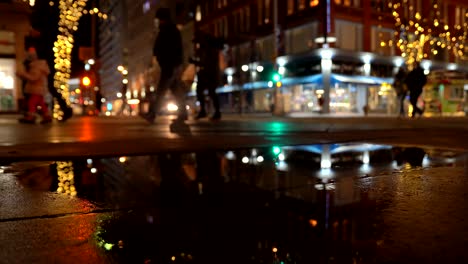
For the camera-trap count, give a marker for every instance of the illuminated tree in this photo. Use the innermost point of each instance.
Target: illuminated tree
(70, 12)
(419, 37)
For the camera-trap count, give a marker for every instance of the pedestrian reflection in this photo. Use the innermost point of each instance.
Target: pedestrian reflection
(34, 175)
(413, 156)
(262, 205)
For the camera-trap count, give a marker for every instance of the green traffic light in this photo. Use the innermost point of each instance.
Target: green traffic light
(276, 150)
(276, 77)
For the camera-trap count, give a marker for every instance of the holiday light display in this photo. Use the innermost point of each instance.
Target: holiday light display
(70, 13)
(418, 37)
(66, 178)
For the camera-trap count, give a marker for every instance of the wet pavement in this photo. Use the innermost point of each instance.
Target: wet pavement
(110, 136)
(337, 203)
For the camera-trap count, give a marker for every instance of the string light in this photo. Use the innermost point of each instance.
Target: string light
(70, 12)
(30, 2)
(418, 37)
(66, 178)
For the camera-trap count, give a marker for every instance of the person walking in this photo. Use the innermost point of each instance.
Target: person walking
(401, 89)
(208, 75)
(416, 80)
(168, 52)
(36, 89)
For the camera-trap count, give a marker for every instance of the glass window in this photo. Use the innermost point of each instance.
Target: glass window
(247, 18)
(301, 39)
(235, 24)
(198, 14)
(225, 27)
(242, 20)
(7, 85)
(290, 7)
(382, 41)
(349, 35)
(267, 11)
(260, 12)
(266, 47)
(313, 3)
(302, 4)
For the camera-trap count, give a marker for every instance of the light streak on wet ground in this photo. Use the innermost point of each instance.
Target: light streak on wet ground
(309, 204)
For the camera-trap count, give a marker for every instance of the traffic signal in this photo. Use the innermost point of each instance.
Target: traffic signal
(86, 81)
(276, 77)
(276, 150)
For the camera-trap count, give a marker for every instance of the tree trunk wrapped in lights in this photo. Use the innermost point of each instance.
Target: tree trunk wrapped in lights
(418, 36)
(70, 13)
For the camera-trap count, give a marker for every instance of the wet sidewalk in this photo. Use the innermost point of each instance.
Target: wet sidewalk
(102, 136)
(402, 205)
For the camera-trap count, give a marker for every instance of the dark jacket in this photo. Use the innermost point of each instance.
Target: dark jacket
(208, 61)
(416, 79)
(168, 46)
(399, 83)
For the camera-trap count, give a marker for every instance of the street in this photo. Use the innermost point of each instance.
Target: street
(108, 136)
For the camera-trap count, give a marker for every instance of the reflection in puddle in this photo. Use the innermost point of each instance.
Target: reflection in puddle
(303, 204)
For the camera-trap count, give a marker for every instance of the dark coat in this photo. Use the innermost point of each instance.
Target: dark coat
(416, 79)
(399, 83)
(208, 60)
(168, 46)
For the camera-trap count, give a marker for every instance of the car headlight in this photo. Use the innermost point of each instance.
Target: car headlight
(171, 107)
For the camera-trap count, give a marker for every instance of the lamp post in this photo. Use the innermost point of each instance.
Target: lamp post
(277, 97)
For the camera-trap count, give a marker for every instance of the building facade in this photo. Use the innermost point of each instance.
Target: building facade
(14, 27)
(112, 35)
(336, 56)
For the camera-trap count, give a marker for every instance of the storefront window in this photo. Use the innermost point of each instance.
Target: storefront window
(7, 85)
(290, 7)
(382, 99)
(343, 99)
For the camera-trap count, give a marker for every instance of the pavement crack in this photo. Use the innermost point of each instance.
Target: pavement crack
(52, 216)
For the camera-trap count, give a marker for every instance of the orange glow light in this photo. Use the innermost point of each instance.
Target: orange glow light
(86, 81)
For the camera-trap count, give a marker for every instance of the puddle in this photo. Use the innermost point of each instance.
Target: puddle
(339, 203)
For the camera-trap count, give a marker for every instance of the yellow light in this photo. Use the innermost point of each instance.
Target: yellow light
(66, 178)
(86, 81)
(313, 222)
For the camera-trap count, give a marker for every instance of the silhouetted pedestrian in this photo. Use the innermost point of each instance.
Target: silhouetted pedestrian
(169, 54)
(36, 88)
(401, 89)
(99, 99)
(208, 75)
(416, 80)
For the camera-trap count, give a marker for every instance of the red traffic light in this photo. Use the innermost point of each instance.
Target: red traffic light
(86, 81)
